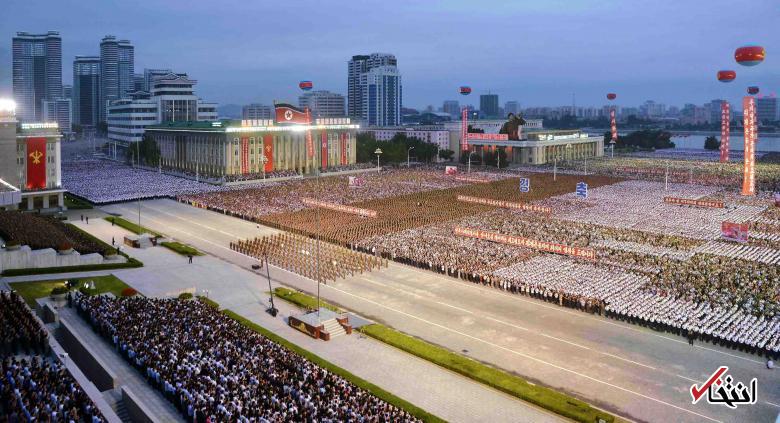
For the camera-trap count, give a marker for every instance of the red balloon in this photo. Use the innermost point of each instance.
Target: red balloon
(464, 90)
(749, 55)
(305, 85)
(752, 90)
(611, 96)
(726, 75)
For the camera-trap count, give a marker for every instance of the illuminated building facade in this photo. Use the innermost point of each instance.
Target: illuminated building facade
(250, 148)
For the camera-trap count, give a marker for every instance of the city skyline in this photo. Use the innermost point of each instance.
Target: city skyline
(595, 48)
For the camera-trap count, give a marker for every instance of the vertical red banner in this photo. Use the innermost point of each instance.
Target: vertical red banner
(464, 129)
(613, 124)
(309, 140)
(324, 149)
(244, 155)
(268, 151)
(749, 122)
(725, 121)
(343, 145)
(36, 163)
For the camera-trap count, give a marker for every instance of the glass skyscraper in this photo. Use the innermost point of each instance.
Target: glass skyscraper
(86, 90)
(117, 67)
(374, 89)
(37, 72)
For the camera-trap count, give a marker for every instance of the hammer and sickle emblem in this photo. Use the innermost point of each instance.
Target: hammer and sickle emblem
(36, 156)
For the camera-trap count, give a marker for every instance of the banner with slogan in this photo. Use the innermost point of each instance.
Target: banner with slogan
(343, 145)
(268, 147)
(309, 140)
(487, 137)
(751, 133)
(356, 181)
(244, 155)
(36, 163)
(324, 149)
(473, 179)
(691, 202)
(504, 204)
(738, 232)
(725, 130)
(339, 207)
(549, 247)
(613, 124)
(450, 170)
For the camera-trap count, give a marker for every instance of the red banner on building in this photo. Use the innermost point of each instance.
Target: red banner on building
(691, 202)
(343, 145)
(550, 247)
(613, 124)
(751, 136)
(737, 232)
(339, 207)
(725, 130)
(244, 155)
(324, 149)
(36, 163)
(504, 204)
(487, 137)
(268, 150)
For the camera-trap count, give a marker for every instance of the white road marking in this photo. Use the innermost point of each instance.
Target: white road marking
(456, 308)
(629, 361)
(524, 355)
(578, 314)
(689, 379)
(772, 404)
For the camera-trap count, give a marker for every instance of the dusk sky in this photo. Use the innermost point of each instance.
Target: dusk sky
(536, 52)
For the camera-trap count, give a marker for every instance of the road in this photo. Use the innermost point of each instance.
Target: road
(633, 371)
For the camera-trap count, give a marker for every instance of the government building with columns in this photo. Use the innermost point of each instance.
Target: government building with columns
(542, 147)
(248, 149)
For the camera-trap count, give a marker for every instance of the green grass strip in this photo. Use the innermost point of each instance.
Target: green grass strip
(543, 397)
(73, 203)
(33, 290)
(359, 382)
(302, 300)
(130, 226)
(180, 248)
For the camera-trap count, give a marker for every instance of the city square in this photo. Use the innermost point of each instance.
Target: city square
(315, 253)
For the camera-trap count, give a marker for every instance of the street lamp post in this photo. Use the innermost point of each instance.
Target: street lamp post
(378, 151)
(473, 152)
(408, 151)
(272, 311)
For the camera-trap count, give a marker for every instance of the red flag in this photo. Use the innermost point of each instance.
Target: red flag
(324, 140)
(286, 113)
(268, 146)
(36, 163)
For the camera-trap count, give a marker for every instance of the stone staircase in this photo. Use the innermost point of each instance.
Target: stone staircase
(334, 328)
(114, 398)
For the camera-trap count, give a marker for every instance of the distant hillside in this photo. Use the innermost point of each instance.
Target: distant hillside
(229, 111)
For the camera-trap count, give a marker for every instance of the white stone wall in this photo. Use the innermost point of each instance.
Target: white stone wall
(25, 258)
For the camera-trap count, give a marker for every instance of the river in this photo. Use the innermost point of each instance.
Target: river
(736, 142)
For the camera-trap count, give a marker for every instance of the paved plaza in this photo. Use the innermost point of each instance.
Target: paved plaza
(631, 370)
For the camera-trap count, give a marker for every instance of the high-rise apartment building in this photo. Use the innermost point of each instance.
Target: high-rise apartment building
(766, 109)
(256, 111)
(382, 94)
(67, 91)
(451, 107)
(715, 110)
(36, 72)
(117, 66)
(86, 90)
(139, 82)
(488, 106)
(58, 110)
(170, 99)
(357, 91)
(512, 107)
(323, 103)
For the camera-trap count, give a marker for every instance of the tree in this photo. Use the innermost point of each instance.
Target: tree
(472, 130)
(711, 143)
(446, 154)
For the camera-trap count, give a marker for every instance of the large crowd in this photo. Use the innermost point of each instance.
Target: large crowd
(39, 231)
(104, 182)
(34, 387)
(212, 368)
